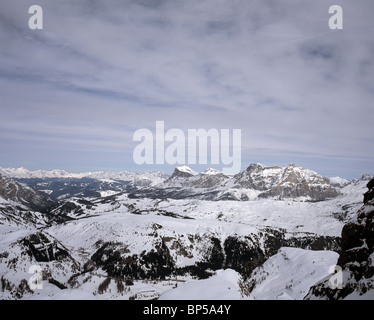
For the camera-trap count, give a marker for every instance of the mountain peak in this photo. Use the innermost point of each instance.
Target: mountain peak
(187, 170)
(183, 172)
(338, 182)
(255, 166)
(291, 165)
(211, 171)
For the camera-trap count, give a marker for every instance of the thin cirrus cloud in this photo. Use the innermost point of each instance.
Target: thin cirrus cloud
(99, 70)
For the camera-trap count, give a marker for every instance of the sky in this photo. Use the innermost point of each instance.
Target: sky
(73, 93)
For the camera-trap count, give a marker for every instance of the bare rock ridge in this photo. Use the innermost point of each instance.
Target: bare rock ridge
(356, 256)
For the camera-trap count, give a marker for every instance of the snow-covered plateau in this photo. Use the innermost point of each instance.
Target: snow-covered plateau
(113, 236)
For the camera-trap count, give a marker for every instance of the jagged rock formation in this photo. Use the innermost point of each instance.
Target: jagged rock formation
(356, 257)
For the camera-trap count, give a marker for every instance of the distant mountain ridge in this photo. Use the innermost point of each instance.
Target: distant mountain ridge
(257, 181)
(22, 173)
(288, 182)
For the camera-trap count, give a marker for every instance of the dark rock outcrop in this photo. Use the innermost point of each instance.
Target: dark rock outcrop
(43, 248)
(356, 258)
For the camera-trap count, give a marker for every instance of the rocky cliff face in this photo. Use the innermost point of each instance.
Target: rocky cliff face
(297, 182)
(356, 258)
(358, 239)
(258, 177)
(288, 182)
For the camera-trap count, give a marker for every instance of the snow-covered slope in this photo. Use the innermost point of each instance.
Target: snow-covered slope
(225, 283)
(3, 201)
(289, 274)
(121, 237)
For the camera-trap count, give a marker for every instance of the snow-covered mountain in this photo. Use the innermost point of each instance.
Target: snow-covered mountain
(288, 182)
(59, 184)
(128, 240)
(257, 181)
(22, 173)
(186, 177)
(107, 239)
(339, 182)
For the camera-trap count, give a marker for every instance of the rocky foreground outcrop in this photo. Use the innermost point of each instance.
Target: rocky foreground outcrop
(354, 276)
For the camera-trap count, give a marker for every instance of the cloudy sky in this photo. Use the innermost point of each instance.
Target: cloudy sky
(73, 94)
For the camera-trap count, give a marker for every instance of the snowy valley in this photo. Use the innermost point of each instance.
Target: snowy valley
(265, 233)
